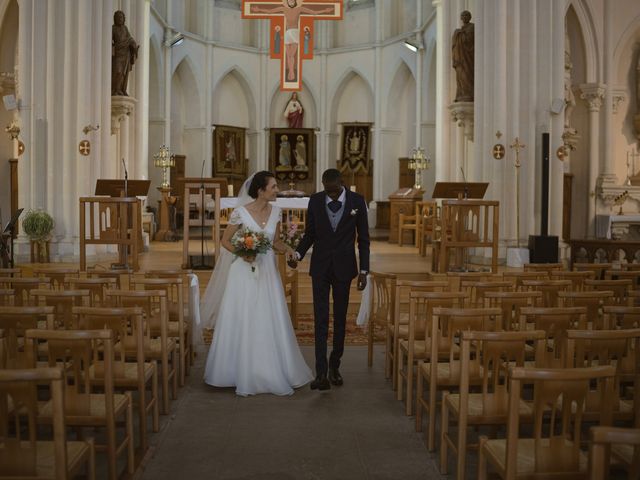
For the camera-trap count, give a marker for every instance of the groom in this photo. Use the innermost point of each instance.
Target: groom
(334, 216)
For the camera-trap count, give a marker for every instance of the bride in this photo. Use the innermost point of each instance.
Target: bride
(254, 347)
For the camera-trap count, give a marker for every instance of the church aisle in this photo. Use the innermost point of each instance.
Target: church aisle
(358, 431)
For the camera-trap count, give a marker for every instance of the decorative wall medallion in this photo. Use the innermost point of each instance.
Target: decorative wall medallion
(84, 147)
(20, 147)
(498, 151)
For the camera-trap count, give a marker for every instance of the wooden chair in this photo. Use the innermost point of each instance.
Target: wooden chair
(549, 289)
(543, 267)
(410, 222)
(620, 317)
(593, 300)
(558, 453)
(446, 329)
(633, 298)
(490, 354)
(294, 216)
(383, 289)
(56, 277)
(6, 297)
(619, 444)
(418, 346)
(477, 291)
(511, 304)
(78, 352)
(555, 322)
(577, 278)
(63, 302)
(127, 327)
(400, 330)
(15, 321)
(173, 301)
(179, 325)
(289, 277)
(518, 277)
(428, 226)
(10, 272)
(618, 287)
(157, 344)
(117, 275)
(597, 268)
(21, 287)
(97, 288)
(457, 280)
(633, 275)
(619, 348)
(22, 454)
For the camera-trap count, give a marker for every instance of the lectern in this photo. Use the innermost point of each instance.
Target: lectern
(466, 222)
(119, 219)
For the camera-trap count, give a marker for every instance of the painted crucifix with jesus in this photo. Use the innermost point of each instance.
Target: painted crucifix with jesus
(295, 18)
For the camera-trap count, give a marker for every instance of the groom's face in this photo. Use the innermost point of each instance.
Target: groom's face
(333, 188)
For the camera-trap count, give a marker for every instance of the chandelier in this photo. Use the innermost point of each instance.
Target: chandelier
(164, 160)
(418, 162)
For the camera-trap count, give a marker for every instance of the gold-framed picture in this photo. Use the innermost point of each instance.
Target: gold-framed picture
(292, 153)
(228, 150)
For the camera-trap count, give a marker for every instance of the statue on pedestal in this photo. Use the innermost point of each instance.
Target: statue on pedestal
(462, 56)
(124, 52)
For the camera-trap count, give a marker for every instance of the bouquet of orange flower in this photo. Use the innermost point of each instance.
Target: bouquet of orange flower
(248, 244)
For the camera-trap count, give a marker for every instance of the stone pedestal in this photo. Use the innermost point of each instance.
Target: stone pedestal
(402, 201)
(121, 109)
(165, 234)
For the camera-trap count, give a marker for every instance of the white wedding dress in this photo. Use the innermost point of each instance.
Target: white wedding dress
(254, 347)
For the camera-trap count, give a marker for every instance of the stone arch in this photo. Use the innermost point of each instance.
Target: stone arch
(243, 118)
(186, 117)
(593, 69)
(350, 76)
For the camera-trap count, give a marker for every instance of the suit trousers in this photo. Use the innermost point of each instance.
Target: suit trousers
(322, 284)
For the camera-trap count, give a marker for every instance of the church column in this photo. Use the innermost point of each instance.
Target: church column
(443, 63)
(419, 61)
(378, 177)
(168, 66)
(593, 94)
(608, 170)
(141, 157)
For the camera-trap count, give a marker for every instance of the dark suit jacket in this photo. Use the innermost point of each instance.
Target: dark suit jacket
(334, 251)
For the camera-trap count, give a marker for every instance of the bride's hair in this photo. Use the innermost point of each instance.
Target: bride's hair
(259, 182)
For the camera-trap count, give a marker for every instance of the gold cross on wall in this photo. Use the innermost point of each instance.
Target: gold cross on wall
(291, 31)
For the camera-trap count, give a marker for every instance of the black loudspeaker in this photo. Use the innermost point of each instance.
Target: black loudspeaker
(544, 210)
(543, 249)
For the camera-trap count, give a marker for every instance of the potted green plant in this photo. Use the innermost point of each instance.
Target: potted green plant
(38, 225)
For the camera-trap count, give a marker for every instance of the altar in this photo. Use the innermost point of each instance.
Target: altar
(618, 227)
(282, 202)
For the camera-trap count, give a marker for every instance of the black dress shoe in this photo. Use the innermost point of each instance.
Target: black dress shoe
(320, 383)
(334, 377)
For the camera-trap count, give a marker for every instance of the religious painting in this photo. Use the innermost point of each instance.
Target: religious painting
(291, 31)
(356, 147)
(292, 153)
(228, 150)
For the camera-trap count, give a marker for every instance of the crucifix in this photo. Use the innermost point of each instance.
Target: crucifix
(517, 146)
(292, 24)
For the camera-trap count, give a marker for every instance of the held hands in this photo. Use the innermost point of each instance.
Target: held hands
(292, 260)
(362, 281)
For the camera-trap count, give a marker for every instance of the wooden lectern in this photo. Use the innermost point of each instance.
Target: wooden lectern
(202, 187)
(402, 201)
(119, 219)
(466, 222)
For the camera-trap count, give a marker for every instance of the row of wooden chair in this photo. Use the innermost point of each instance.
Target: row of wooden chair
(107, 340)
(493, 318)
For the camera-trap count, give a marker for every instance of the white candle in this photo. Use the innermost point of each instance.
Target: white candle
(352, 188)
(230, 190)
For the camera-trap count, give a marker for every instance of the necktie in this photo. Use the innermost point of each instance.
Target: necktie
(334, 205)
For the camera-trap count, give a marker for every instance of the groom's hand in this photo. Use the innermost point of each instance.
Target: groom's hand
(292, 260)
(362, 281)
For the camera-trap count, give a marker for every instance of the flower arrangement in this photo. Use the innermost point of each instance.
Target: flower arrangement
(292, 235)
(248, 244)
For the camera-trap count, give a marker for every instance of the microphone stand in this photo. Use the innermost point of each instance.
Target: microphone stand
(202, 265)
(125, 255)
